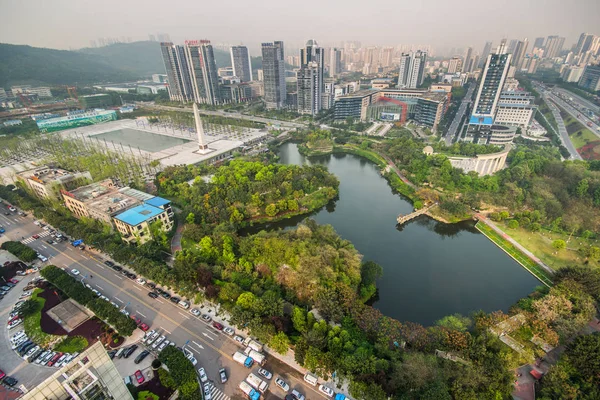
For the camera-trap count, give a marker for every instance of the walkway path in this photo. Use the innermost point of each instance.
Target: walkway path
(176, 240)
(397, 171)
(512, 241)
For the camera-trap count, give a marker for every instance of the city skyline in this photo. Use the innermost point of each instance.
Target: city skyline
(178, 22)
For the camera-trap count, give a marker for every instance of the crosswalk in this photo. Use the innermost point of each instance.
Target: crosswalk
(217, 394)
(32, 239)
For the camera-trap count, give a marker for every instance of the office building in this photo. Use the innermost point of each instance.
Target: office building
(515, 108)
(310, 78)
(468, 60)
(539, 43)
(99, 100)
(240, 60)
(554, 45)
(512, 45)
(335, 62)
(203, 71)
(519, 53)
(90, 375)
(590, 79)
(455, 65)
(178, 75)
(387, 57)
(584, 43)
(410, 73)
(47, 182)
(572, 74)
(134, 224)
(490, 87)
(273, 67)
(486, 51)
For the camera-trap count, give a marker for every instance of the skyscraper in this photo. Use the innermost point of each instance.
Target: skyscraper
(486, 51)
(584, 44)
(273, 66)
(410, 73)
(312, 59)
(492, 81)
(554, 45)
(178, 76)
(468, 61)
(335, 62)
(539, 43)
(512, 45)
(203, 71)
(240, 59)
(387, 56)
(455, 65)
(519, 54)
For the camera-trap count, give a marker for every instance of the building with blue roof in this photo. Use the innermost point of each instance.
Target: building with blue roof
(134, 223)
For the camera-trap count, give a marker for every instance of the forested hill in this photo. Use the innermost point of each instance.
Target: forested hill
(115, 63)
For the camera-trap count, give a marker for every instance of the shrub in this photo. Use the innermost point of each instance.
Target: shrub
(73, 344)
(182, 372)
(20, 251)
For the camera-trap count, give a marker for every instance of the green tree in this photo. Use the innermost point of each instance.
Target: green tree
(292, 205)
(191, 218)
(280, 343)
(271, 210)
(299, 319)
(582, 188)
(246, 300)
(559, 244)
(455, 322)
(513, 224)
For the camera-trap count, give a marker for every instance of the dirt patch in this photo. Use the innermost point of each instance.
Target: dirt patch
(90, 329)
(591, 151)
(155, 387)
(47, 324)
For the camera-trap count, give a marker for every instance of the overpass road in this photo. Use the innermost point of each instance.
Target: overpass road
(451, 134)
(213, 349)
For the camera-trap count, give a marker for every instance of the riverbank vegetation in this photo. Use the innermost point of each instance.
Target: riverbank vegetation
(244, 192)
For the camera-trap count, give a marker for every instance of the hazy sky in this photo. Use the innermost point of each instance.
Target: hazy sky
(441, 23)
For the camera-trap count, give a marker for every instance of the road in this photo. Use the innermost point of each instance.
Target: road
(281, 123)
(451, 134)
(212, 349)
(562, 130)
(577, 114)
(581, 102)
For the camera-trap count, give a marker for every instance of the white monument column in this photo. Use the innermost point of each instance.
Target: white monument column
(199, 129)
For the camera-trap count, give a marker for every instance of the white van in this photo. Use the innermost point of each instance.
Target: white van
(310, 378)
(184, 304)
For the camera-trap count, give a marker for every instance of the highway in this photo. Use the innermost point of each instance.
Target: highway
(212, 349)
(575, 113)
(451, 134)
(562, 130)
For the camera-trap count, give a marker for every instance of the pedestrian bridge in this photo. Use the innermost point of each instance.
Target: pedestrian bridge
(402, 219)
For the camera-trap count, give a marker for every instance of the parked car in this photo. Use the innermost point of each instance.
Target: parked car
(163, 345)
(217, 326)
(223, 375)
(130, 350)
(153, 295)
(298, 395)
(109, 263)
(327, 391)
(151, 285)
(117, 268)
(238, 339)
(165, 295)
(140, 281)
(229, 331)
(54, 359)
(141, 356)
(265, 373)
(206, 318)
(112, 354)
(143, 327)
(282, 384)
(195, 312)
(15, 323)
(207, 395)
(175, 300)
(10, 381)
(139, 376)
(202, 375)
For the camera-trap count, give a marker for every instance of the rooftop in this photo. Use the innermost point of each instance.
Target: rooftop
(47, 174)
(157, 201)
(94, 190)
(139, 214)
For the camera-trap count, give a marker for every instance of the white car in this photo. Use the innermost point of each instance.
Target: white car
(125, 313)
(190, 356)
(42, 258)
(75, 272)
(265, 373)
(158, 341)
(207, 395)
(195, 312)
(36, 223)
(238, 339)
(114, 304)
(140, 281)
(163, 345)
(103, 297)
(229, 331)
(17, 336)
(25, 294)
(282, 384)
(327, 391)
(97, 293)
(202, 374)
(11, 208)
(15, 323)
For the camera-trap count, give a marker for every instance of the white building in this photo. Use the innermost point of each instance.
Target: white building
(411, 72)
(515, 109)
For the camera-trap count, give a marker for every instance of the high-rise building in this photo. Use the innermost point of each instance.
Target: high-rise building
(178, 76)
(387, 57)
(309, 93)
(240, 59)
(335, 62)
(490, 87)
(519, 54)
(468, 61)
(584, 44)
(539, 43)
(590, 79)
(512, 45)
(486, 51)
(412, 66)
(455, 65)
(554, 45)
(311, 79)
(203, 71)
(273, 65)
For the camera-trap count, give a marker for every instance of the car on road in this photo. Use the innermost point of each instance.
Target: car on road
(75, 272)
(223, 375)
(153, 295)
(282, 384)
(265, 373)
(202, 375)
(140, 357)
(42, 258)
(298, 395)
(130, 350)
(207, 395)
(229, 331)
(36, 236)
(11, 208)
(217, 326)
(206, 317)
(2, 230)
(139, 377)
(195, 312)
(327, 391)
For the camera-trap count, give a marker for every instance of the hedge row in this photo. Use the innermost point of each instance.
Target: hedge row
(24, 253)
(181, 371)
(84, 296)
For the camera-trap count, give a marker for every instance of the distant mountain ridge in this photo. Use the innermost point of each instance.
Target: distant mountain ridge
(20, 64)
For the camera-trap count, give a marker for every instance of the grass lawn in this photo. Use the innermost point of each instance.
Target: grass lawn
(31, 323)
(540, 244)
(521, 258)
(74, 344)
(582, 138)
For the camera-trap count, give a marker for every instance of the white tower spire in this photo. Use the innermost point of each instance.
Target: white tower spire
(199, 129)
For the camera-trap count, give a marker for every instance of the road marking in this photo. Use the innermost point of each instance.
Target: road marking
(160, 301)
(137, 288)
(165, 330)
(99, 287)
(117, 276)
(204, 333)
(197, 344)
(184, 316)
(44, 247)
(100, 266)
(142, 314)
(118, 299)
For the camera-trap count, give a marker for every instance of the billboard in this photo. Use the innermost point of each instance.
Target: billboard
(389, 116)
(77, 120)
